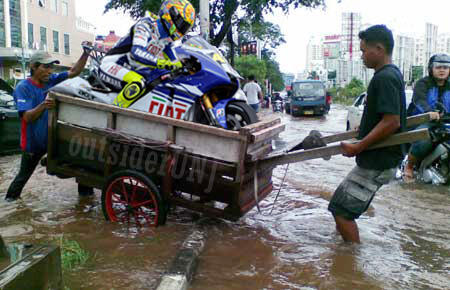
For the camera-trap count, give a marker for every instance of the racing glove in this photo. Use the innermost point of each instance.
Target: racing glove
(168, 64)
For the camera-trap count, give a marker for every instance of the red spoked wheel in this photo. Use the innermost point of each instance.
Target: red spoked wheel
(131, 197)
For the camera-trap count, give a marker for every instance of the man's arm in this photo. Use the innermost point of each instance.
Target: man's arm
(388, 125)
(79, 66)
(260, 93)
(35, 113)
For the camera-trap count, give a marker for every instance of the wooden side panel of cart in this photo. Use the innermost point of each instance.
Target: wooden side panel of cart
(209, 164)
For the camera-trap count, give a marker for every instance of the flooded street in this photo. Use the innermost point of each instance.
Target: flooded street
(405, 234)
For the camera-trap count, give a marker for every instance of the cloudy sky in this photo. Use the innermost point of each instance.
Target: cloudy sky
(403, 16)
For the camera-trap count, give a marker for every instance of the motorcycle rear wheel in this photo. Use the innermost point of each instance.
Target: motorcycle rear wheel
(240, 114)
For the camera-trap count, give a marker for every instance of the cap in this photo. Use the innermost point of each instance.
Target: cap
(43, 57)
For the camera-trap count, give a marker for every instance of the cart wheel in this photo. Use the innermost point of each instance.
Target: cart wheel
(131, 196)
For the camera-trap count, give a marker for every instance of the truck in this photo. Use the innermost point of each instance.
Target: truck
(308, 97)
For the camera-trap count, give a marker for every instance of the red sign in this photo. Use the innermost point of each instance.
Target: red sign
(332, 37)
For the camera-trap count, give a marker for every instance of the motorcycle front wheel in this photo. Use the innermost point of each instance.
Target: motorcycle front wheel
(239, 114)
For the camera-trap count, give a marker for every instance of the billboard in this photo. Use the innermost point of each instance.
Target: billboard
(331, 50)
(249, 48)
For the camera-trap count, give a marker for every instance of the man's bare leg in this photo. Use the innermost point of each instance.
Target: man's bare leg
(348, 229)
(409, 167)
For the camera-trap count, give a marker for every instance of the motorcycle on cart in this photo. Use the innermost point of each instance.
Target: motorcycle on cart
(205, 90)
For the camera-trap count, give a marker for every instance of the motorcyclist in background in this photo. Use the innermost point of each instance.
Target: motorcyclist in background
(431, 94)
(147, 45)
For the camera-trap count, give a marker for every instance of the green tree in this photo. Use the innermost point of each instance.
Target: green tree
(269, 34)
(353, 89)
(248, 65)
(221, 11)
(274, 75)
(417, 72)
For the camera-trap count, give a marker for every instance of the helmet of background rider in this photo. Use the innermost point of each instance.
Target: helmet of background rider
(440, 59)
(177, 17)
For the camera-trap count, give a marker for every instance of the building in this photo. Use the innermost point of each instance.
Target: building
(443, 43)
(106, 42)
(403, 55)
(419, 52)
(349, 64)
(314, 54)
(431, 37)
(351, 26)
(50, 25)
(331, 54)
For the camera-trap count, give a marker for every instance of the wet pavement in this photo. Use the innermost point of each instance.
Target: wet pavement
(404, 234)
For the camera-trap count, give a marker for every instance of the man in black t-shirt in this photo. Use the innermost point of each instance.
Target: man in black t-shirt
(384, 114)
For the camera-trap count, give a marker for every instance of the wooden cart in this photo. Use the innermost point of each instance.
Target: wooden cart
(143, 162)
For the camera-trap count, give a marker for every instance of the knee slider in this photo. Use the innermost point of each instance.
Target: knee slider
(133, 90)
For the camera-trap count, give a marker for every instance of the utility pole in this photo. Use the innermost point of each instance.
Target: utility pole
(204, 19)
(22, 58)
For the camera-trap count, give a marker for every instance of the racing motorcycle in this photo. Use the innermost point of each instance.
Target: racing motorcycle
(205, 90)
(435, 168)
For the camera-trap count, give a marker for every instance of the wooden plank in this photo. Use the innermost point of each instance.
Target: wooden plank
(267, 122)
(302, 155)
(141, 128)
(82, 116)
(205, 144)
(146, 116)
(259, 153)
(263, 193)
(267, 133)
(418, 119)
(197, 206)
(410, 122)
(52, 137)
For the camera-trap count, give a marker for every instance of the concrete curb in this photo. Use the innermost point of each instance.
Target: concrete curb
(183, 266)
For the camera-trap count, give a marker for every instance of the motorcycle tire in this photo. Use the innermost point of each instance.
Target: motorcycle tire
(240, 114)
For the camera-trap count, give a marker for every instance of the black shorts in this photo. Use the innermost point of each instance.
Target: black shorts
(355, 193)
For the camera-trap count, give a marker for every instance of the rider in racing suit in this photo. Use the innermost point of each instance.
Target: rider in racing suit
(147, 45)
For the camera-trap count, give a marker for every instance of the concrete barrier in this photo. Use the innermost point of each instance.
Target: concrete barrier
(183, 266)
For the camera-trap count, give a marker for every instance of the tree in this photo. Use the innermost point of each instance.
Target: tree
(222, 12)
(248, 65)
(269, 33)
(353, 89)
(417, 72)
(274, 75)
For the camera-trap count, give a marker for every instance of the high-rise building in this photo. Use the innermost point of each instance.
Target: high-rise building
(431, 35)
(443, 43)
(419, 51)
(403, 55)
(351, 26)
(314, 54)
(50, 25)
(350, 64)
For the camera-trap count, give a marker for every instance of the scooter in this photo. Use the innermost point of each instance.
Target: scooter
(435, 168)
(277, 104)
(205, 90)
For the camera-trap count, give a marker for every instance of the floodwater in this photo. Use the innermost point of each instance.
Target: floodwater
(291, 244)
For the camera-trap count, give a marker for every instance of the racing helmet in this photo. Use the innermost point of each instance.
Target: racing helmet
(177, 17)
(440, 59)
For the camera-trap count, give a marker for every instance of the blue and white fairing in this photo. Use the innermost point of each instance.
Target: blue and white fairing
(174, 97)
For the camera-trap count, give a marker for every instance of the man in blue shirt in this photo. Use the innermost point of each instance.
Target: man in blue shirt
(32, 104)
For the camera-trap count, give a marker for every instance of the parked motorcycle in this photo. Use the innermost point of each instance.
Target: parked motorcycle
(435, 168)
(206, 90)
